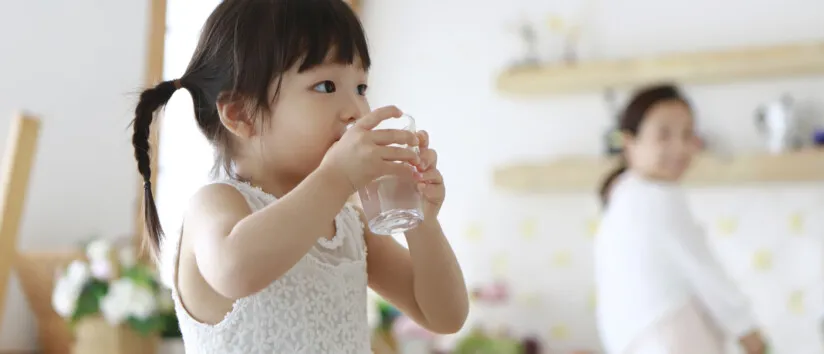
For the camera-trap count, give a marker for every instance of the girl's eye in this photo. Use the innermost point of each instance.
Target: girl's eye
(362, 89)
(325, 87)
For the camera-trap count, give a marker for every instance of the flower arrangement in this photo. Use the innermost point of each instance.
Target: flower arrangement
(111, 283)
(381, 315)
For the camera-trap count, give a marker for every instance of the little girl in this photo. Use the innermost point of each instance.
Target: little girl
(273, 259)
(660, 291)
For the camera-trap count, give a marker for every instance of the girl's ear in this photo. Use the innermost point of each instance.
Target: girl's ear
(235, 116)
(627, 141)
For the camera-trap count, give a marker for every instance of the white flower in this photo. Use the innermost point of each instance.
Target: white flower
(64, 297)
(78, 272)
(68, 288)
(126, 299)
(102, 269)
(127, 256)
(99, 249)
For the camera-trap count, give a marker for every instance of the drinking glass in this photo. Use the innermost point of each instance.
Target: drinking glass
(392, 204)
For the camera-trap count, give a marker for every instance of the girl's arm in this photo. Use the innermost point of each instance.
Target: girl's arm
(239, 252)
(686, 243)
(424, 282)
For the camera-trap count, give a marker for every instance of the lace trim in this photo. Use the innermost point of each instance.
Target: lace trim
(335, 242)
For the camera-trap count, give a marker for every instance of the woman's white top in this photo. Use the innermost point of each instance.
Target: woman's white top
(651, 258)
(318, 306)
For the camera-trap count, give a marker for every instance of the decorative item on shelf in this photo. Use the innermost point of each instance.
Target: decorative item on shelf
(613, 138)
(779, 123)
(114, 304)
(529, 39)
(570, 34)
(818, 137)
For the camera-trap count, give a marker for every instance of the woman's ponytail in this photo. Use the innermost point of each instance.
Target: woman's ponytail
(150, 101)
(606, 185)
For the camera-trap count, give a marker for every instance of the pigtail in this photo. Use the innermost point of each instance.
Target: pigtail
(606, 185)
(150, 101)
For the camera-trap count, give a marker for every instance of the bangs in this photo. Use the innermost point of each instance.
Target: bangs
(246, 44)
(316, 31)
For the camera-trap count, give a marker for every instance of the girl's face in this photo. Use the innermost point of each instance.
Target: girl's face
(665, 142)
(311, 113)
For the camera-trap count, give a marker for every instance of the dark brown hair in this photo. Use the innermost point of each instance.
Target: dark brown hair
(631, 120)
(244, 46)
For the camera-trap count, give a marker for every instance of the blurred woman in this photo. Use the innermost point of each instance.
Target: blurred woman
(660, 290)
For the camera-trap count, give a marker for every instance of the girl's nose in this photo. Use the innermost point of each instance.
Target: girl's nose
(354, 108)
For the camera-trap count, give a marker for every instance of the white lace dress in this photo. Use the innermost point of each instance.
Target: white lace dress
(317, 307)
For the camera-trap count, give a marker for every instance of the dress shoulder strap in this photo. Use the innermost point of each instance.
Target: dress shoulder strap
(255, 197)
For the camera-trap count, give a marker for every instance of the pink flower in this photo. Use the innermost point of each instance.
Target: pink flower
(102, 269)
(405, 328)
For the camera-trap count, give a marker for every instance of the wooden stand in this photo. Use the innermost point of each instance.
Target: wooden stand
(36, 272)
(95, 336)
(17, 165)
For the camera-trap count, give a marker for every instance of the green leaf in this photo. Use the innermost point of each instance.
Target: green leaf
(88, 303)
(148, 326)
(171, 328)
(142, 276)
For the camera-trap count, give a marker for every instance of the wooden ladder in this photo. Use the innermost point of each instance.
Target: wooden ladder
(14, 182)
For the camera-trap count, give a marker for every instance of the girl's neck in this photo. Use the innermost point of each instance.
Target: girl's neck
(271, 182)
(650, 177)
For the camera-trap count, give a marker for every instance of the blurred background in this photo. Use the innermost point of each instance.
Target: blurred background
(506, 90)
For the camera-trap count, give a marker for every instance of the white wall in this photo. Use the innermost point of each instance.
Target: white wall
(79, 65)
(438, 60)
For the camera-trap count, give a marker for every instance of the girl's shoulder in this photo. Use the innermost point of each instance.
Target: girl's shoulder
(254, 196)
(225, 196)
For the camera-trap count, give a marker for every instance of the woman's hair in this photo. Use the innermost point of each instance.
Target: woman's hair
(245, 46)
(631, 120)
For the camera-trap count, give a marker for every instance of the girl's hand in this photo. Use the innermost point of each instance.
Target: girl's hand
(753, 343)
(430, 181)
(362, 154)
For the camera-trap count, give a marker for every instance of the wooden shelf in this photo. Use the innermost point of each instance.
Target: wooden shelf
(693, 68)
(584, 174)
